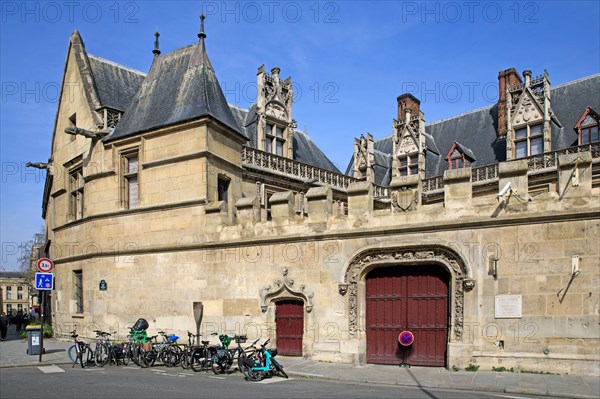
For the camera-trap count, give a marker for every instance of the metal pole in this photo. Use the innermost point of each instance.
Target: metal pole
(43, 294)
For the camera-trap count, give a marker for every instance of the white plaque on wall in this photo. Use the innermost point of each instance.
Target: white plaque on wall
(508, 307)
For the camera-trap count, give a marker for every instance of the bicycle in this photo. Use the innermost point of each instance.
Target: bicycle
(262, 364)
(166, 351)
(80, 352)
(221, 357)
(187, 351)
(238, 353)
(104, 352)
(201, 358)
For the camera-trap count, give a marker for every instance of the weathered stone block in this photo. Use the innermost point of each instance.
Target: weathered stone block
(575, 177)
(458, 191)
(282, 207)
(248, 210)
(360, 199)
(320, 204)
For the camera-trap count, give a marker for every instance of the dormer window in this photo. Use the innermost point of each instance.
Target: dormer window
(274, 139)
(459, 157)
(529, 140)
(587, 127)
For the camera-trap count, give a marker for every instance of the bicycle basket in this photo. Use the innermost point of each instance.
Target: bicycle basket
(138, 336)
(140, 324)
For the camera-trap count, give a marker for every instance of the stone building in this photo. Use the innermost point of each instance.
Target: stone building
(14, 293)
(160, 193)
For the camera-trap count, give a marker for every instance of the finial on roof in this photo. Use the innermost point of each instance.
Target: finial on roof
(156, 50)
(202, 35)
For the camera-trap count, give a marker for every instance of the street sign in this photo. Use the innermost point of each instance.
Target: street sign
(102, 286)
(44, 281)
(406, 338)
(45, 265)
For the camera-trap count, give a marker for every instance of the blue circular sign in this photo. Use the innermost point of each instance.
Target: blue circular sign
(406, 338)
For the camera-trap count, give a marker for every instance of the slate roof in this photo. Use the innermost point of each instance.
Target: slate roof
(476, 130)
(180, 86)
(116, 84)
(5, 274)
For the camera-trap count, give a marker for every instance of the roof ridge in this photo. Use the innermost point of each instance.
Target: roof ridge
(460, 115)
(596, 75)
(95, 57)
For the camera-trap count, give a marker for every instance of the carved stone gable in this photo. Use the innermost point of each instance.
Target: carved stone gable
(527, 110)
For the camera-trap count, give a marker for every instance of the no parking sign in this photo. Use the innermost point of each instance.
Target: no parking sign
(406, 338)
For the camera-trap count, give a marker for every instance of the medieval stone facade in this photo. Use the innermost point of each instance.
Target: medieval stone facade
(167, 194)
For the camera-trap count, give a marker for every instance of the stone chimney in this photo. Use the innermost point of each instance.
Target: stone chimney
(507, 78)
(408, 106)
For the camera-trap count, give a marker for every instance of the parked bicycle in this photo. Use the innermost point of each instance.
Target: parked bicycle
(201, 357)
(167, 351)
(188, 349)
(262, 364)
(80, 352)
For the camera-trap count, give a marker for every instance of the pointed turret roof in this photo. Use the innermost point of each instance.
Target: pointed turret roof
(181, 86)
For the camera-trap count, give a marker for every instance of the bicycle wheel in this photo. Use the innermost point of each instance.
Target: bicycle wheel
(126, 353)
(148, 358)
(251, 375)
(219, 363)
(197, 360)
(72, 353)
(170, 357)
(278, 368)
(184, 360)
(101, 355)
(138, 356)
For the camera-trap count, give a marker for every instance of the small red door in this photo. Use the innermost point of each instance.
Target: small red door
(413, 298)
(289, 322)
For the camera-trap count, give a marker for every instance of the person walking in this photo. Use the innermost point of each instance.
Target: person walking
(3, 325)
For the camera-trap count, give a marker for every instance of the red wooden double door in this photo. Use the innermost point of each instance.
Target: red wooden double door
(289, 322)
(413, 298)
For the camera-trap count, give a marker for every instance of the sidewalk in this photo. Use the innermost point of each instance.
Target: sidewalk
(13, 354)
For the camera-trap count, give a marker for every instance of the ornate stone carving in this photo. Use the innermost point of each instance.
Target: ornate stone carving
(468, 284)
(432, 254)
(284, 289)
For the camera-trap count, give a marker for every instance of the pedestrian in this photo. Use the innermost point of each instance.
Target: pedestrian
(25, 321)
(3, 325)
(19, 320)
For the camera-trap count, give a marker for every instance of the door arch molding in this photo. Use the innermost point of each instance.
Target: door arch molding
(367, 259)
(284, 289)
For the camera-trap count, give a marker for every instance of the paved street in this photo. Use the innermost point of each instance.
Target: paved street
(64, 382)
(22, 376)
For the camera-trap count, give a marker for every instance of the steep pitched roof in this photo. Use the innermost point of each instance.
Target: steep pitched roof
(477, 129)
(116, 85)
(180, 86)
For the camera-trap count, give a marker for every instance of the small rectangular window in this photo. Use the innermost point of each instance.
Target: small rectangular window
(279, 147)
(269, 144)
(78, 287)
(269, 129)
(223, 189)
(9, 293)
(19, 292)
(279, 131)
(9, 309)
(76, 184)
(130, 185)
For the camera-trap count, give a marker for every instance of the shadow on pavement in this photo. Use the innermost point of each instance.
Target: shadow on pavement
(425, 391)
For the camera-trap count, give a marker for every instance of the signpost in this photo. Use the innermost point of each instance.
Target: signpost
(198, 312)
(44, 281)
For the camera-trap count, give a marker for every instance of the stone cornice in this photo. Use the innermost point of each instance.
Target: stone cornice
(363, 232)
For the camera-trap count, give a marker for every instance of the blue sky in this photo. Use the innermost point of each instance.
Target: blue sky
(349, 60)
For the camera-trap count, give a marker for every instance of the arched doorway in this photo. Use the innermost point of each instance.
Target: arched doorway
(289, 324)
(407, 297)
